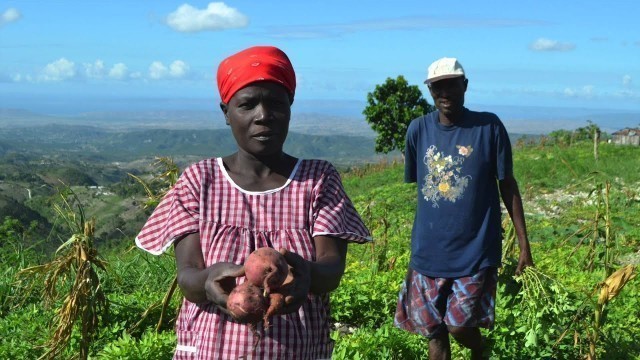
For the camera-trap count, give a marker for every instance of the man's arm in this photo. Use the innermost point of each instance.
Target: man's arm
(513, 203)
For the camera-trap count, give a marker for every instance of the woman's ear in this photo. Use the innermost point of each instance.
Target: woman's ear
(224, 109)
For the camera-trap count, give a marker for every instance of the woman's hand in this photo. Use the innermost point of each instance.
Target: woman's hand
(221, 280)
(198, 283)
(298, 284)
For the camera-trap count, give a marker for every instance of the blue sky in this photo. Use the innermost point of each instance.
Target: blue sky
(574, 54)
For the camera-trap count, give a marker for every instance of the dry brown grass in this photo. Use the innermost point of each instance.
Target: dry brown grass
(71, 279)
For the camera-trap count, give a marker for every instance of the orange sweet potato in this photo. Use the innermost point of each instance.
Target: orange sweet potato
(276, 302)
(266, 268)
(247, 304)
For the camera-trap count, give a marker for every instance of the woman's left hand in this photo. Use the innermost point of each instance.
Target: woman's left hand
(298, 284)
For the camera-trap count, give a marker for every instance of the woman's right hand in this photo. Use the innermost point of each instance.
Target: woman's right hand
(221, 280)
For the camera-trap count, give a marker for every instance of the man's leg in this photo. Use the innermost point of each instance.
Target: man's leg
(421, 308)
(439, 347)
(470, 338)
(471, 306)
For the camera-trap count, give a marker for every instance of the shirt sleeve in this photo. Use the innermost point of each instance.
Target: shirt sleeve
(334, 213)
(504, 156)
(410, 169)
(177, 215)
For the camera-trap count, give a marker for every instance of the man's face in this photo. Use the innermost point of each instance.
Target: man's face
(448, 95)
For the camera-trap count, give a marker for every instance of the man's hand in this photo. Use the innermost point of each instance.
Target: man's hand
(524, 260)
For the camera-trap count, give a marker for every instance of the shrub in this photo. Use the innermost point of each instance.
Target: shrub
(151, 346)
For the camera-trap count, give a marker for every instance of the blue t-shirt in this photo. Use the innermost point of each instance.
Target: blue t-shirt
(457, 228)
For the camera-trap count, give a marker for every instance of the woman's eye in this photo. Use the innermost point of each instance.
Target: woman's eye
(279, 103)
(245, 105)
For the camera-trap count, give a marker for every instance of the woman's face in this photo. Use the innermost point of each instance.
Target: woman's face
(259, 117)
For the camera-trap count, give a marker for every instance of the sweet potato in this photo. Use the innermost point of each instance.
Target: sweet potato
(276, 302)
(247, 304)
(266, 268)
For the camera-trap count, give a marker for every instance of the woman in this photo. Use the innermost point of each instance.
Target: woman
(222, 209)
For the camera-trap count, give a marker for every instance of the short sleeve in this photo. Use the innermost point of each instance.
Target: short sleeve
(334, 213)
(504, 156)
(176, 216)
(411, 140)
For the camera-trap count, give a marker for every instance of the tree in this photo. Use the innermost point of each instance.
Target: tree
(391, 107)
(561, 137)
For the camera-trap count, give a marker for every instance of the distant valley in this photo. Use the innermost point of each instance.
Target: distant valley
(321, 118)
(305, 123)
(94, 152)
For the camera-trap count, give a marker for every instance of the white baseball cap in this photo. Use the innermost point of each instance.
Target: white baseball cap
(444, 68)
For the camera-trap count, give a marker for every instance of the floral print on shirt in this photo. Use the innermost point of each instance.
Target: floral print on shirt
(444, 179)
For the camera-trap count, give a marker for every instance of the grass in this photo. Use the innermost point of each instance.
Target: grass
(559, 186)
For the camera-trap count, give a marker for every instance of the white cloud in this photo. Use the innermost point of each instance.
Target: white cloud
(626, 80)
(8, 16)
(587, 92)
(118, 71)
(217, 16)
(95, 70)
(628, 94)
(177, 69)
(157, 70)
(65, 70)
(543, 44)
(58, 70)
(17, 78)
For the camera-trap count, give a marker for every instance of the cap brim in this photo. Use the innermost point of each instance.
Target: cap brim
(442, 77)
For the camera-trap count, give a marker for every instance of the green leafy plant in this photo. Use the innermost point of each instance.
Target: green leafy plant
(561, 198)
(150, 346)
(382, 342)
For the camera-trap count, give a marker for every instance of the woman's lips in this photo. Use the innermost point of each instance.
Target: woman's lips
(264, 136)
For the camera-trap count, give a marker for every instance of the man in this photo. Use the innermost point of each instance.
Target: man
(462, 163)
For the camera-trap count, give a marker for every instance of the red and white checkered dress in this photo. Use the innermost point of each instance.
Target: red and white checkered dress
(232, 223)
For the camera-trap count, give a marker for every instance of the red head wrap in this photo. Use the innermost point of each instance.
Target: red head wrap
(258, 63)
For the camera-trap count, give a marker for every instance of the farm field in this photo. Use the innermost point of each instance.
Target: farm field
(583, 219)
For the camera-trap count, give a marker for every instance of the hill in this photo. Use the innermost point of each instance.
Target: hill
(36, 159)
(583, 223)
(309, 123)
(83, 142)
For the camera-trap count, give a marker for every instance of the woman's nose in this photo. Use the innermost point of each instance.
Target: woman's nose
(262, 113)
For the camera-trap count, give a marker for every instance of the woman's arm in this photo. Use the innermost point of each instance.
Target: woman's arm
(317, 277)
(200, 284)
(327, 270)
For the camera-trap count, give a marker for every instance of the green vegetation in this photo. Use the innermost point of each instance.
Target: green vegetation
(581, 300)
(94, 144)
(96, 162)
(390, 108)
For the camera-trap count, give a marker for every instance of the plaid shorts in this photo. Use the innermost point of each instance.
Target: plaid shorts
(427, 305)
